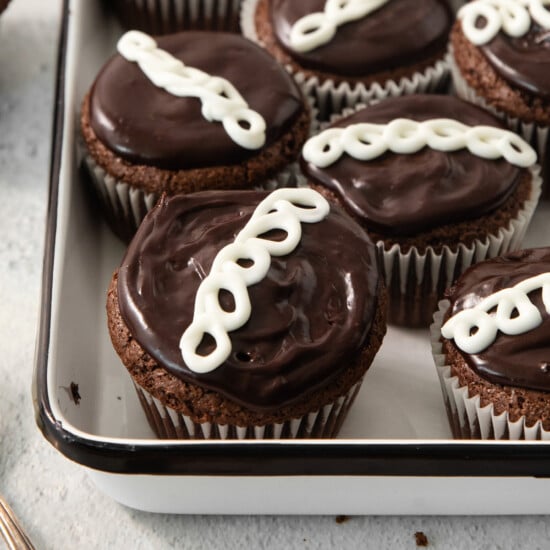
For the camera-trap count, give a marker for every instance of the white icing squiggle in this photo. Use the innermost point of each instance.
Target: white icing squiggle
(283, 209)
(462, 326)
(318, 28)
(365, 141)
(221, 102)
(512, 16)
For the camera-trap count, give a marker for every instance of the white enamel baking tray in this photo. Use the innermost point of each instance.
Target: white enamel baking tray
(394, 454)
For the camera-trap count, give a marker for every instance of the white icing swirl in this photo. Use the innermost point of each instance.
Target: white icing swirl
(474, 329)
(283, 209)
(514, 17)
(318, 28)
(365, 141)
(221, 102)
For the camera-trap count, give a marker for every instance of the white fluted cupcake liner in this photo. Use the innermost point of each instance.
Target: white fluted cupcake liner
(325, 423)
(166, 16)
(468, 419)
(536, 135)
(431, 265)
(124, 206)
(331, 97)
(416, 280)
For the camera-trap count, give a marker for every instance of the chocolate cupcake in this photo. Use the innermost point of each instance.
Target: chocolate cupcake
(200, 111)
(492, 353)
(438, 184)
(356, 52)
(503, 65)
(247, 314)
(169, 16)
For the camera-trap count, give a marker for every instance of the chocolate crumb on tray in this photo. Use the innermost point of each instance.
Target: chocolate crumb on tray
(73, 392)
(421, 539)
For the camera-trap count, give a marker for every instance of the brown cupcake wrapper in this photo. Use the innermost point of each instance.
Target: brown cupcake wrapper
(324, 423)
(331, 97)
(467, 418)
(167, 16)
(125, 206)
(536, 135)
(416, 281)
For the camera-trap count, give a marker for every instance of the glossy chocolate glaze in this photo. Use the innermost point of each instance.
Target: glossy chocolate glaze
(525, 61)
(522, 360)
(310, 315)
(146, 125)
(400, 33)
(403, 195)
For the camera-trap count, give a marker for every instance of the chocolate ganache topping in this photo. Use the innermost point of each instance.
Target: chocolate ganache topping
(311, 314)
(522, 360)
(145, 124)
(405, 194)
(398, 34)
(524, 61)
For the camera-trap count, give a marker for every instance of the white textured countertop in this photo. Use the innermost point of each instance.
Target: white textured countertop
(53, 497)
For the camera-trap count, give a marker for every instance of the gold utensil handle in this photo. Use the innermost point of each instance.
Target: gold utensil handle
(11, 529)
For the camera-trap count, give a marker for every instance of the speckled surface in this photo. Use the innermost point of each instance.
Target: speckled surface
(54, 498)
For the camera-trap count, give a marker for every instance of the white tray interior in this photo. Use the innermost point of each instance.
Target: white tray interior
(400, 398)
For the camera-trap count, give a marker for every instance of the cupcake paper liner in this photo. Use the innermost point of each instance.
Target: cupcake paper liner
(168, 423)
(468, 419)
(166, 16)
(416, 280)
(331, 97)
(536, 135)
(124, 206)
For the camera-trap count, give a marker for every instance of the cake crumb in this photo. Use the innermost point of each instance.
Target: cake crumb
(74, 393)
(342, 519)
(421, 539)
